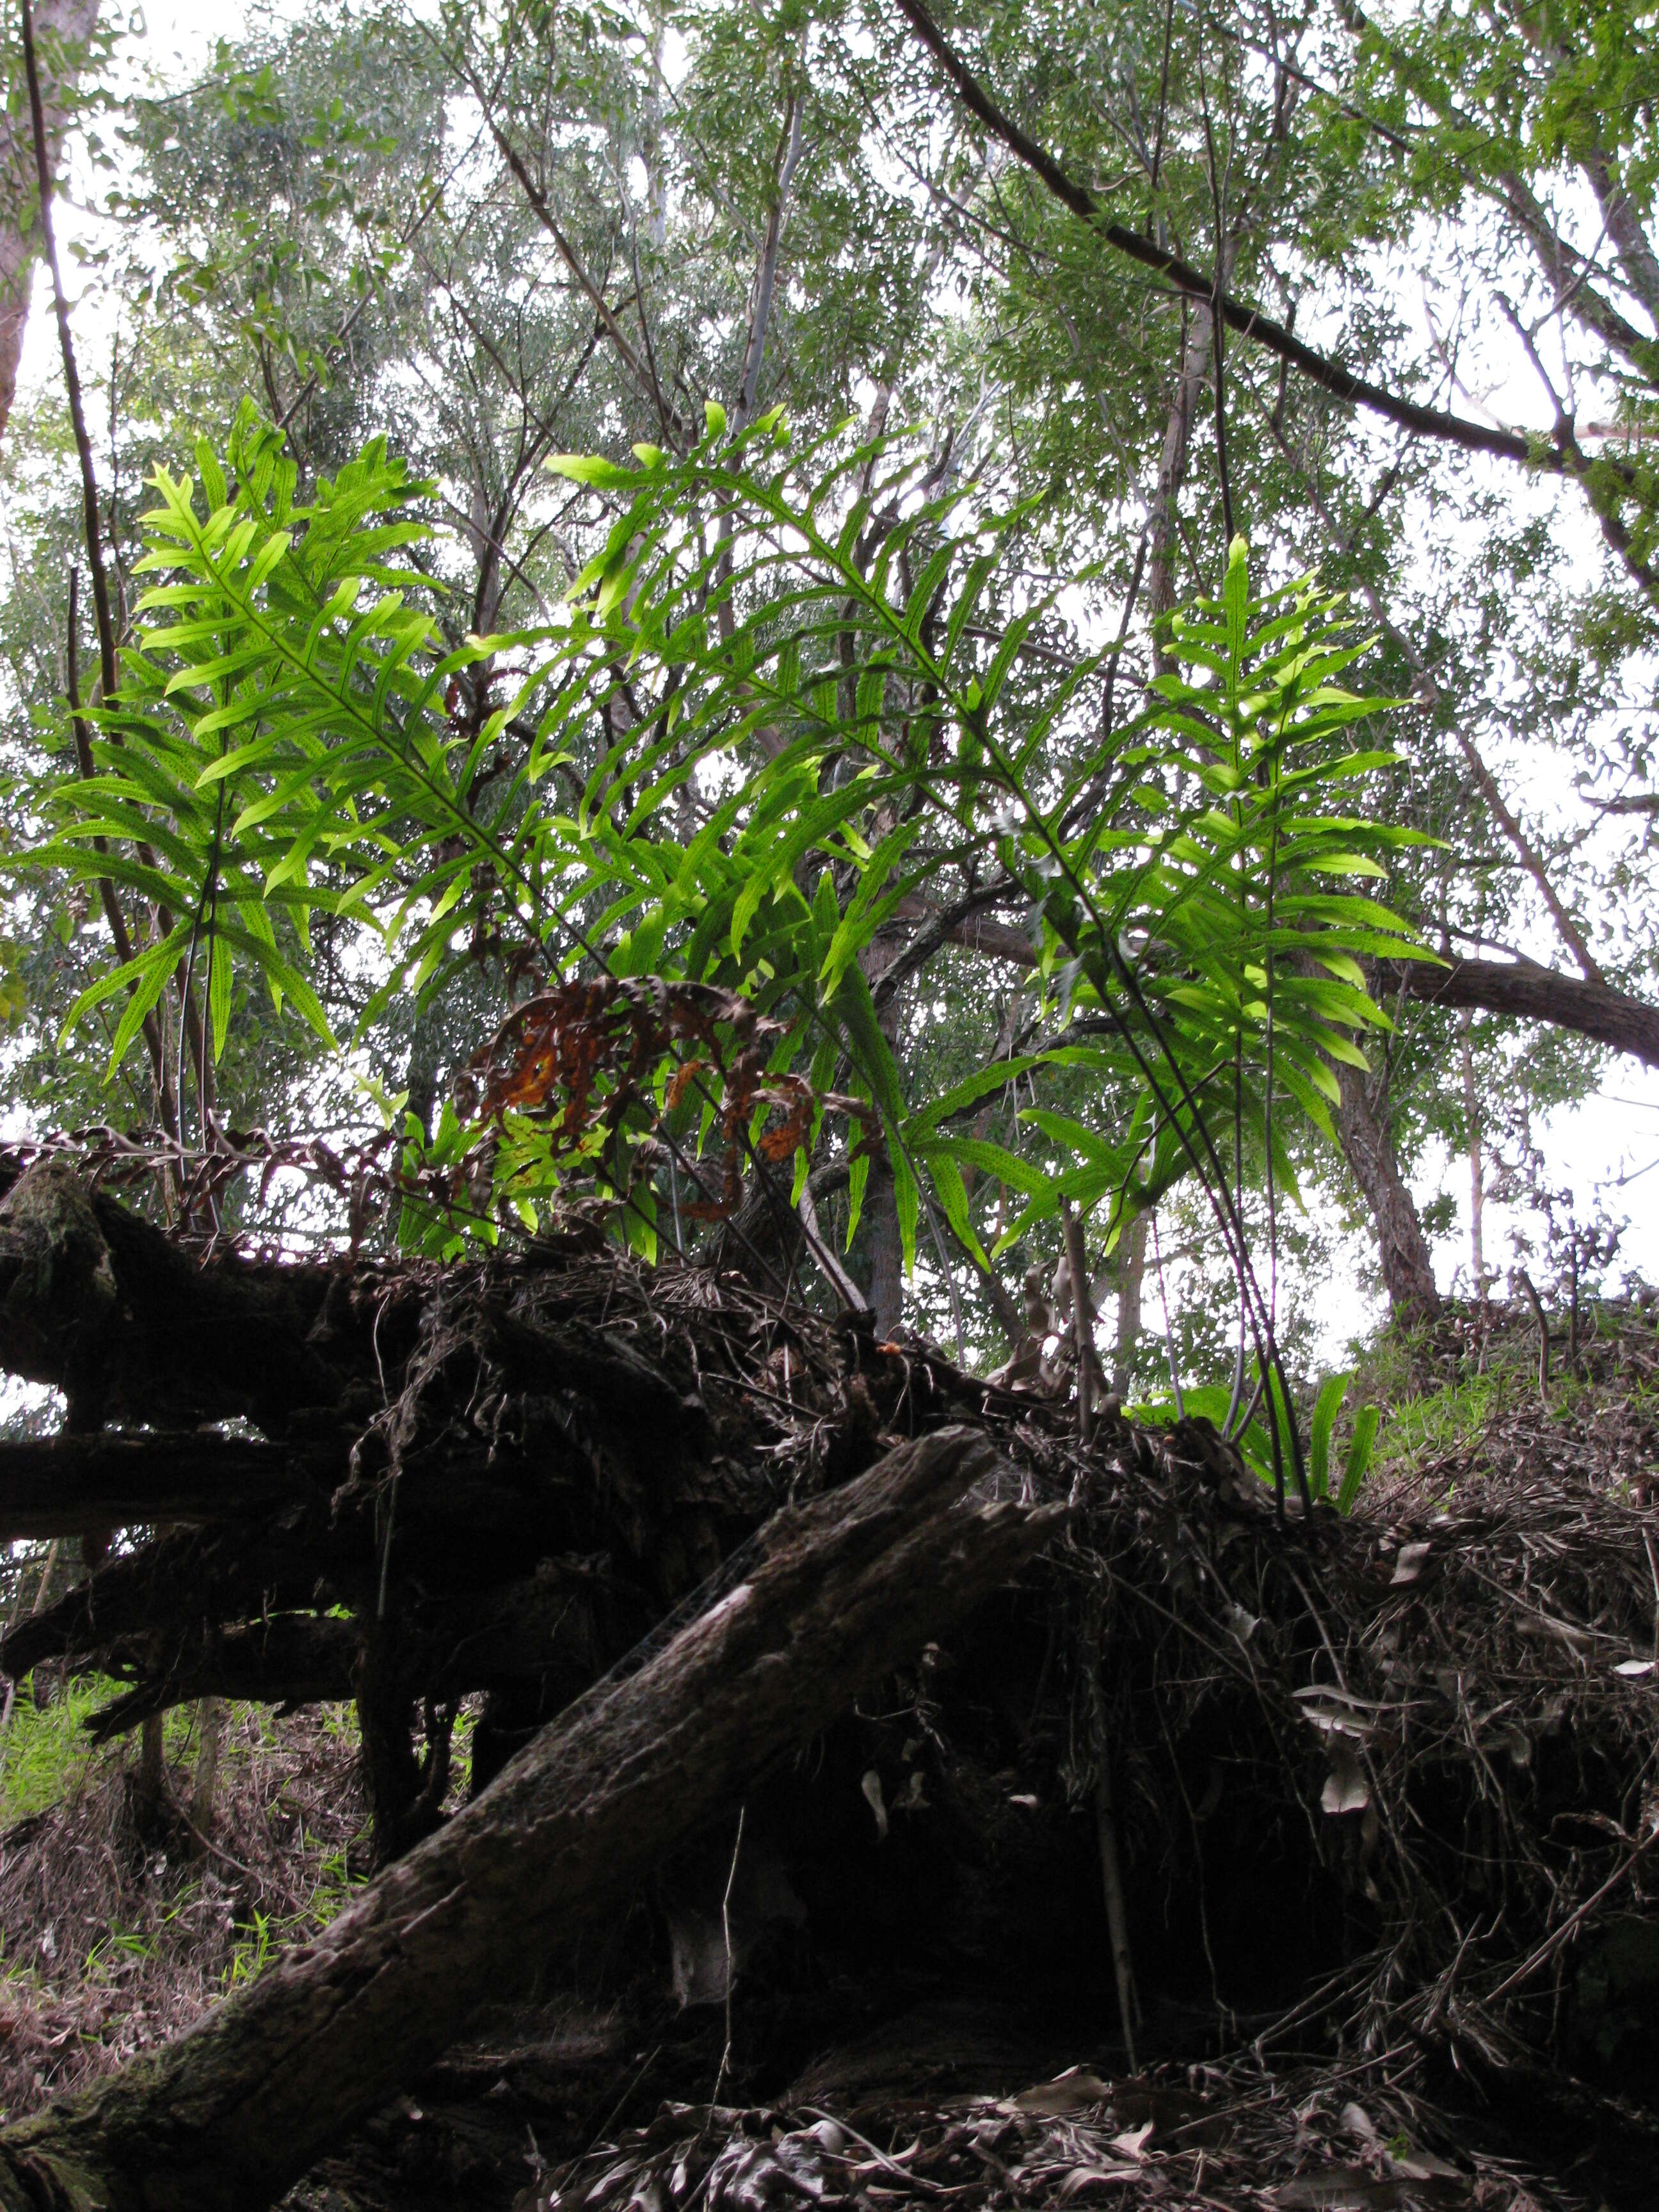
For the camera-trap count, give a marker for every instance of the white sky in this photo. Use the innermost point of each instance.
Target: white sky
(1611, 1137)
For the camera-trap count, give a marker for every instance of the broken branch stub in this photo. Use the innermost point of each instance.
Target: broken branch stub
(833, 1595)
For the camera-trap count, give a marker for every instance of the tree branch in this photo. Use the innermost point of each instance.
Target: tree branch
(1250, 322)
(767, 269)
(1534, 994)
(673, 425)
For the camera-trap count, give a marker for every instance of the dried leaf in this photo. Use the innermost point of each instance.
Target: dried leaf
(871, 1785)
(1071, 2092)
(1415, 2164)
(1086, 2177)
(1409, 1564)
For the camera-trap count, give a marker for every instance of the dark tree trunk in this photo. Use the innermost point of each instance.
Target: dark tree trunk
(1529, 993)
(828, 1598)
(887, 1249)
(67, 1485)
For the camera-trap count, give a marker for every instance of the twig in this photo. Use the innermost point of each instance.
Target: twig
(1551, 1944)
(621, 2105)
(730, 1965)
(1111, 1879)
(1537, 1304)
(207, 1842)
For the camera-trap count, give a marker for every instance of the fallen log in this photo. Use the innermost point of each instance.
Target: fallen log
(535, 1628)
(66, 1485)
(102, 1305)
(182, 1575)
(433, 1442)
(292, 1659)
(824, 1599)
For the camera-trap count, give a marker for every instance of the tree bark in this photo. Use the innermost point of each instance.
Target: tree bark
(1407, 1271)
(541, 1625)
(290, 1659)
(885, 1240)
(886, 1249)
(832, 1595)
(149, 1780)
(97, 1301)
(61, 28)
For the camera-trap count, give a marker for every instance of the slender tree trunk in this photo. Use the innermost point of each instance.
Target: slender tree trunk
(61, 28)
(211, 1736)
(1131, 1274)
(42, 1682)
(1363, 1132)
(151, 1778)
(886, 1249)
(1477, 1165)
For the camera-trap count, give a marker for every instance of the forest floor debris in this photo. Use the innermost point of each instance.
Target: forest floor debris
(1387, 1806)
(1214, 2134)
(117, 1935)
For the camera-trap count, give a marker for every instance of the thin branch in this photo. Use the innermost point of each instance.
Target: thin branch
(1530, 859)
(120, 935)
(1330, 375)
(674, 426)
(1163, 111)
(1217, 320)
(765, 272)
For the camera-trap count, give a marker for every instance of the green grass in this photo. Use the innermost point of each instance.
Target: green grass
(1440, 1404)
(1441, 1423)
(45, 1756)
